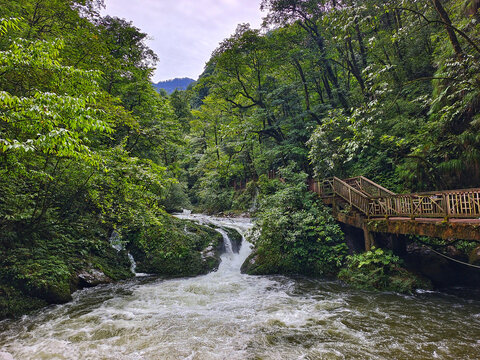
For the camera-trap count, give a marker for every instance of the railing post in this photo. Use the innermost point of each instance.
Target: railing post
(368, 238)
(412, 211)
(446, 206)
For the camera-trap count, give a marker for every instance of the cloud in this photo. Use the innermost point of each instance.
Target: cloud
(185, 32)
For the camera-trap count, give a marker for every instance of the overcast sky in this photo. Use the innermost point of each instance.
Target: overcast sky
(185, 32)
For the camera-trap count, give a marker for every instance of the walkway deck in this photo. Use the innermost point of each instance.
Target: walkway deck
(451, 214)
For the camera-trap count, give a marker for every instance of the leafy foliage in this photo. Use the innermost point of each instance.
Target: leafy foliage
(297, 235)
(387, 89)
(82, 142)
(380, 269)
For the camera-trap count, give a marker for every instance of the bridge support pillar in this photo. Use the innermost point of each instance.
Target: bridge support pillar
(369, 238)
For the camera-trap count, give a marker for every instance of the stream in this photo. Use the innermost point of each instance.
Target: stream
(228, 315)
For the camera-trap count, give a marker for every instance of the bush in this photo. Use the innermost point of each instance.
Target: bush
(380, 269)
(297, 234)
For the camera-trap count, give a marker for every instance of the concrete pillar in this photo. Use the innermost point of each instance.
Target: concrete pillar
(369, 238)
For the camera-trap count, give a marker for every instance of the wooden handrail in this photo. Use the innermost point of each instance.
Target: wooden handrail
(377, 185)
(448, 204)
(438, 192)
(353, 196)
(369, 187)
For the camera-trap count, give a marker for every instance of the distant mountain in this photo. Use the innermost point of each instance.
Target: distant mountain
(174, 84)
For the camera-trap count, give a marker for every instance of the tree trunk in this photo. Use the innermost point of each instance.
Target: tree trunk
(448, 27)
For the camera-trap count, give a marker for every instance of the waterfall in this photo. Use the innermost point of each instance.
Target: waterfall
(254, 203)
(226, 240)
(133, 264)
(231, 262)
(117, 243)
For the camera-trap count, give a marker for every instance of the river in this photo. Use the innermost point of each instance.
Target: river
(227, 315)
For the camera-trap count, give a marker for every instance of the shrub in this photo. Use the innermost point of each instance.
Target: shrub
(380, 269)
(298, 235)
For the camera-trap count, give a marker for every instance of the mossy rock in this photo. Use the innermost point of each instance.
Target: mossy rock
(250, 265)
(14, 303)
(176, 248)
(114, 264)
(46, 270)
(47, 278)
(259, 263)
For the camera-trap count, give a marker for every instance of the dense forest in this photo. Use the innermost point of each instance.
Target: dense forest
(386, 89)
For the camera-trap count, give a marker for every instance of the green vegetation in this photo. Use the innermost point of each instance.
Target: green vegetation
(296, 233)
(87, 146)
(176, 248)
(387, 89)
(46, 269)
(380, 269)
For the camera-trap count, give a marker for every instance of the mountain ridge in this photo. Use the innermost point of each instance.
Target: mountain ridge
(173, 84)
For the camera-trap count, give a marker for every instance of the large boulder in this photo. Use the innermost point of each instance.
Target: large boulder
(176, 248)
(440, 270)
(92, 277)
(250, 265)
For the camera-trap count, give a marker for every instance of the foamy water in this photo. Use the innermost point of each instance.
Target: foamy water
(227, 315)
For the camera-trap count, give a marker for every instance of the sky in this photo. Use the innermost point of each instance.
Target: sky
(184, 33)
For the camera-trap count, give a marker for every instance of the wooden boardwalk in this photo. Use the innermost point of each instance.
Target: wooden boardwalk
(451, 214)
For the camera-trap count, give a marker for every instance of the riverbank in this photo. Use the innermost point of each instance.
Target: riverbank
(41, 272)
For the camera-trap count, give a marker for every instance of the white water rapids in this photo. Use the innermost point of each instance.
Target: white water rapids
(227, 315)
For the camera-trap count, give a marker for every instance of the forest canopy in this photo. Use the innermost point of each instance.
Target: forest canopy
(386, 89)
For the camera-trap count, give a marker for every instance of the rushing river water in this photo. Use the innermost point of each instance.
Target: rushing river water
(227, 315)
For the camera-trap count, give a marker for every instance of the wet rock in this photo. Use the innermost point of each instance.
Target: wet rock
(441, 271)
(250, 264)
(211, 257)
(92, 277)
(474, 256)
(209, 251)
(6, 356)
(57, 293)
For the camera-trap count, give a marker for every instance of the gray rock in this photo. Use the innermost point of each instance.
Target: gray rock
(209, 251)
(474, 257)
(6, 356)
(92, 277)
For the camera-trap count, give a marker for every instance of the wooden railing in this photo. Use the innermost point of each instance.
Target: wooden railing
(353, 196)
(369, 187)
(448, 204)
(323, 188)
(375, 201)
